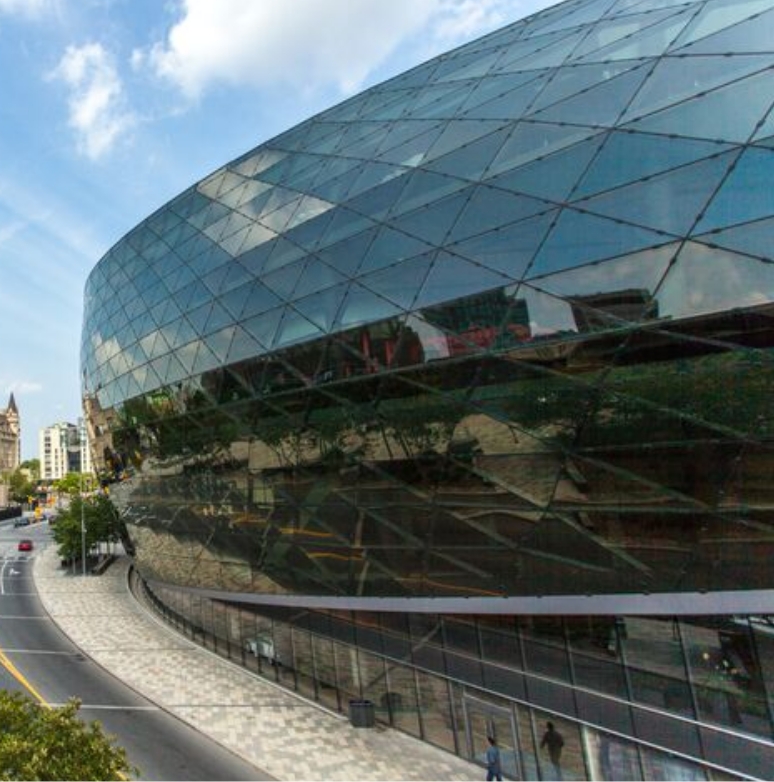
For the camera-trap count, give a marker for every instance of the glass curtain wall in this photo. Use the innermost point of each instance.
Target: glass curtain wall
(609, 686)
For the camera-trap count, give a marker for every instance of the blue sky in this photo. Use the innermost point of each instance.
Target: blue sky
(109, 108)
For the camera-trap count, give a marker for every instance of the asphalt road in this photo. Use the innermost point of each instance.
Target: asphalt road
(157, 743)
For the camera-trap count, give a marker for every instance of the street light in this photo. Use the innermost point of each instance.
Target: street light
(83, 528)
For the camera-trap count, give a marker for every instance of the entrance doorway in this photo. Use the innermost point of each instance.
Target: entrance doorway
(484, 719)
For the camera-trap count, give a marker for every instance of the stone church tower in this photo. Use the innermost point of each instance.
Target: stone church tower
(10, 440)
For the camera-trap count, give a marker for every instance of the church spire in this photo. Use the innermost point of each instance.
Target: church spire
(12, 404)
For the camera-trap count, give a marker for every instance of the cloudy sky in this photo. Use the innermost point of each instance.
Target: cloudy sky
(109, 108)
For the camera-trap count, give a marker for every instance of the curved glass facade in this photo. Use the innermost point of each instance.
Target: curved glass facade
(495, 332)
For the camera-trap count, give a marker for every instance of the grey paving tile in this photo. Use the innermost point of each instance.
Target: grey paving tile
(288, 736)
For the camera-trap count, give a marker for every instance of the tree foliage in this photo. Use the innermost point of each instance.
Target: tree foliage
(74, 483)
(38, 742)
(100, 521)
(20, 486)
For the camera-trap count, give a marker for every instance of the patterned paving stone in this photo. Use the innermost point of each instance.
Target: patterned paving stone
(284, 734)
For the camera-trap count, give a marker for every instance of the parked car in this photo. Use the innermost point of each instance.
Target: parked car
(22, 521)
(25, 545)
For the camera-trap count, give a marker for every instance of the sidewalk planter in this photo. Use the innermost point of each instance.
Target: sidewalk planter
(361, 714)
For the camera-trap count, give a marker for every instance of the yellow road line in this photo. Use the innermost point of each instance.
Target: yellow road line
(19, 676)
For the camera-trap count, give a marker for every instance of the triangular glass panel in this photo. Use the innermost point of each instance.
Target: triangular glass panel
(582, 14)
(458, 133)
(747, 194)
(650, 42)
(322, 308)
(765, 131)
(277, 220)
(508, 250)
(346, 256)
(677, 79)
(295, 328)
(281, 253)
(550, 56)
(243, 346)
(400, 283)
(667, 202)
(470, 161)
(284, 280)
(573, 79)
(551, 177)
(492, 87)
(264, 326)
(317, 276)
(609, 31)
(220, 342)
(628, 157)
(236, 276)
(512, 105)
(183, 333)
(187, 355)
(372, 175)
(579, 238)
(413, 152)
(205, 360)
(214, 279)
(446, 106)
(219, 317)
(531, 140)
(377, 201)
(389, 247)
(719, 29)
(465, 66)
(198, 317)
(730, 113)
(234, 301)
(336, 190)
(622, 289)
(452, 277)
(425, 187)
(489, 208)
(552, 316)
(362, 306)
(432, 223)
(161, 367)
(600, 105)
(344, 223)
(751, 238)
(398, 133)
(705, 280)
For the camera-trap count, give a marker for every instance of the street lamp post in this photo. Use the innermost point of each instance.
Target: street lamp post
(83, 530)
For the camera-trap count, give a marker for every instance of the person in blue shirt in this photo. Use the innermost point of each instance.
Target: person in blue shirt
(493, 767)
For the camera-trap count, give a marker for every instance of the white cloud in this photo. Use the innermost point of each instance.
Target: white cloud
(98, 110)
(20, 386)
(335, 42)
(26, 7)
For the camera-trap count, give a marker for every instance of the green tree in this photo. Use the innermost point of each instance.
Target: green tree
(38, 742)
(100, 521)
(20, 486)
(73, 483)
(33, 465)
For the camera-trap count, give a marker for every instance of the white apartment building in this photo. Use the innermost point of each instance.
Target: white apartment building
(59, 449)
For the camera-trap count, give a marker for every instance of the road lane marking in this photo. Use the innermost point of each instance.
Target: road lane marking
(19, 676)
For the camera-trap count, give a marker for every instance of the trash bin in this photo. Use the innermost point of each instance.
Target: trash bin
(361, 714)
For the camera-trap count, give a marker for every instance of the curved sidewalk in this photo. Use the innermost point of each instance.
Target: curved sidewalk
(288, 736)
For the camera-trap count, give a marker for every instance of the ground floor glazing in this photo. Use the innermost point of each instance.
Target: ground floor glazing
(632, 697)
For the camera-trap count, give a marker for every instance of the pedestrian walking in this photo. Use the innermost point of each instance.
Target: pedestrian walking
(493, 767)
(552, 741)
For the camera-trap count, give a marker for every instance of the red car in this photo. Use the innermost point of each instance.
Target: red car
(25, 545)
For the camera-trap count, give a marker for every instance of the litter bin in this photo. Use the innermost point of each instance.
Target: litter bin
(361, 714)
